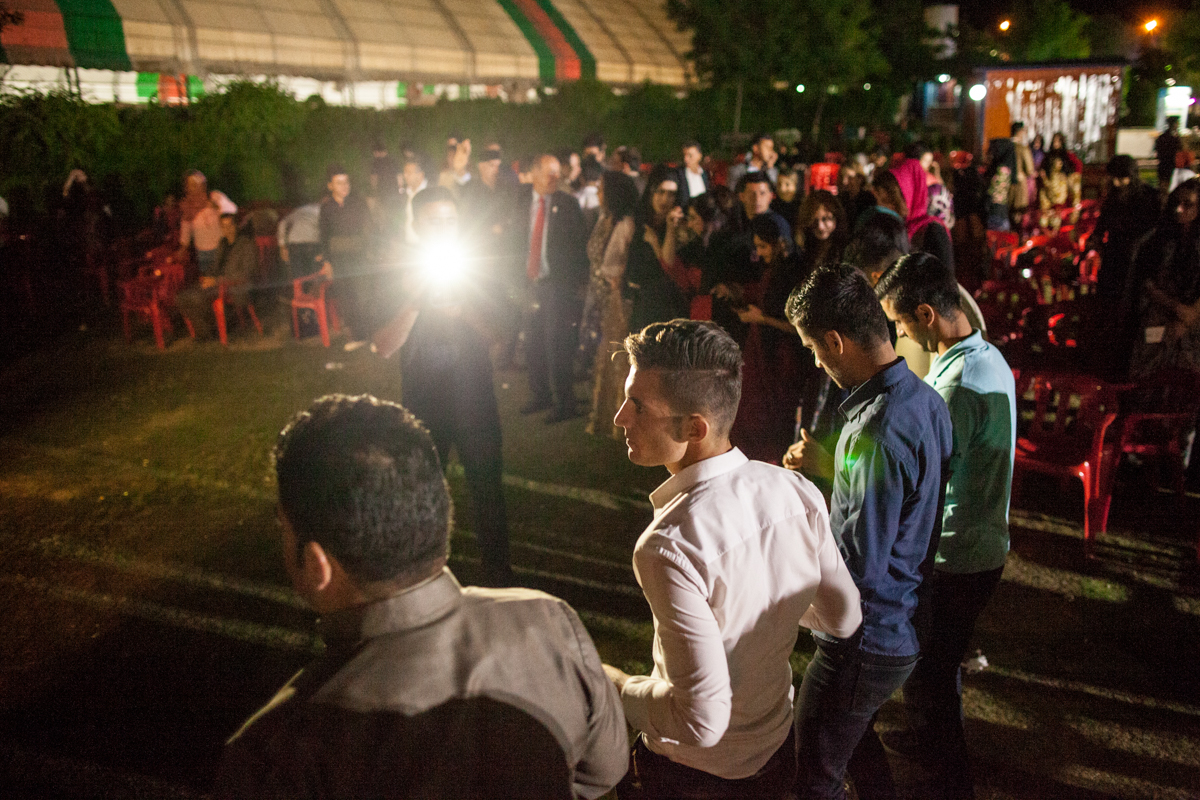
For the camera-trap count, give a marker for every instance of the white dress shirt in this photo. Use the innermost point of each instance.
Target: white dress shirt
(695, 182)
(533, 211)
(738, 556)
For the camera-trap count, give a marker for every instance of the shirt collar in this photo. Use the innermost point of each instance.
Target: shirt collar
(414, 607)
(972, 342)
(865, 392)
(701, 471)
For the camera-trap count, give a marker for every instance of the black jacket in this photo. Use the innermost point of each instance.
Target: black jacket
(566, 237)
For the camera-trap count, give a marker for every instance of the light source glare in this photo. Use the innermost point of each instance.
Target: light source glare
(943, 78)
(977, 92)
(800, 88)
(1005, 25)
(443, 262)
(1151, 25)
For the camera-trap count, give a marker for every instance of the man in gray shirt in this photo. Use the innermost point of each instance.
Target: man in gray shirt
(426, 688)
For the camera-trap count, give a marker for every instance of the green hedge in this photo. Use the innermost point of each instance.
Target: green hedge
(257, 143)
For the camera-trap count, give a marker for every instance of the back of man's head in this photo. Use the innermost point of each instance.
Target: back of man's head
(361, 478)
(700, 367)
(839, 298)
(920, 279)
(877, 243)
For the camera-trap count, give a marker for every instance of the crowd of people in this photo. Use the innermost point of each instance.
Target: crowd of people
(806, 364)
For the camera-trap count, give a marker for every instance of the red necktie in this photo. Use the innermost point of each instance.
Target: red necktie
(534, 267)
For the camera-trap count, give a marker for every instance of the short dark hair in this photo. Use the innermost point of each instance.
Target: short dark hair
(620, 194)
(701, 367)
(1015, 127)
(881, 238)
(593, 139)
(766, 227)
(1122, 166)
(430, 195)
(590, 170)
(333, 170)
(918, 279)
(758, 137)
(361, 477)
(692, 143)
(630, 157)
(837, 297)
(916, 149)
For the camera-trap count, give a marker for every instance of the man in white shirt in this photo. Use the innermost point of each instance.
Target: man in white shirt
(738, 556)
(694, 179)
(414, 182)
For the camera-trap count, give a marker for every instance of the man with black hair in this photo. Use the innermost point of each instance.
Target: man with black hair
(761, 158)
(448, 317)
(738, 555)
(236, 265)
(886, 510)
(594, 146)
(345, 224)
(425, 688)
(694, 179)
(921, 296)
(1166, 148)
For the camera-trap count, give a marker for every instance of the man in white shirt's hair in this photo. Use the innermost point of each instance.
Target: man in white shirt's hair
(738, 556)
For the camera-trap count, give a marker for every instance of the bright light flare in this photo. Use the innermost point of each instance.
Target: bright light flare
(1005, 25)
(977, 92)
(443, 262)
(1151, 26)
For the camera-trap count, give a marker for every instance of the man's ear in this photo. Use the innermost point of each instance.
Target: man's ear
(834, 342)
(924, 314)
(696, 427)
(317, 566)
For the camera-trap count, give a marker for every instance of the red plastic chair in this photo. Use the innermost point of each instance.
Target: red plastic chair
(150, 295)
(1071, 413)
(314, 300)
(1166, 406)
(823, 176)
(219, 310)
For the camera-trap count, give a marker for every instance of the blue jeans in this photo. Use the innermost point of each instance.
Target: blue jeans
(835, 712)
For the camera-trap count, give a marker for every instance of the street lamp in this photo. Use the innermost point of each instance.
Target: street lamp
(1151, 26)
(977, 92)
(1005, 25)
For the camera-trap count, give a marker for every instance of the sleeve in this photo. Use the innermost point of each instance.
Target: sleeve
(836, 609)
(880, 482)
(692, 702)
(323, 229)
(185, 233)
(617, 252)
(282, 230)
(605, 757)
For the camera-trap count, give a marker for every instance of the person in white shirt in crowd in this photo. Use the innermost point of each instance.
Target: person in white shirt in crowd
(414, 181)
(762, 156)
(694, 179)
(299, 237)
(739, 555)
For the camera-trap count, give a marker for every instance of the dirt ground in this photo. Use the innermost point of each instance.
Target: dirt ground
(147, 611)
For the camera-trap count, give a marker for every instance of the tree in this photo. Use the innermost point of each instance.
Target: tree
(1047, 30)
(760, 44)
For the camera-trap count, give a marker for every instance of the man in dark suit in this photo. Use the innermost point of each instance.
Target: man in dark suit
(694, 179)
(554, 247)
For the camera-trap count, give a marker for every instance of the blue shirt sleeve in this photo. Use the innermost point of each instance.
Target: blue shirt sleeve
(877, 484)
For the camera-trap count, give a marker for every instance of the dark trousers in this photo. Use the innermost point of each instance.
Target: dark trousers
(933, 693)
(478, 448)
(655, 777)
(551, 343)
(835, 734)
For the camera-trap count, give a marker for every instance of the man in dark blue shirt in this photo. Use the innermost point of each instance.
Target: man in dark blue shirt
(886, 512)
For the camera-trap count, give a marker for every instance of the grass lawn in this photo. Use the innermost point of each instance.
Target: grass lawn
(149, 614)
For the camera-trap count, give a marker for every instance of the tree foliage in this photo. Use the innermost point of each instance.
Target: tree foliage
(1047, 30)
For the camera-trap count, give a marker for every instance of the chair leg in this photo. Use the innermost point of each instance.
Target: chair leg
(219, 313)
(295, 322)
(254, 318)
(322, 323)
(157, 323)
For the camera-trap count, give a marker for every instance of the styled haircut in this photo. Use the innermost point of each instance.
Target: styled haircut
(837, 297)
(593, 139)
(620, 194)
(333, 170)
(1122, 166)
(361, 477)
(1016, 127)
(700, 366)
(692, 143)
(759, 138)
(886, 182)
(806, 217)
(766, 227)
(881, 239)
(429, 195)
(920, 279)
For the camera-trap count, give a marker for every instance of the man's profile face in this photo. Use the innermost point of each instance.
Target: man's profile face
(691, 158)
(414, 176)
(546, 175)
(764, 149)
(653, 431)
(909, 326)
(339, 187)
(825, 356)
(756, 198)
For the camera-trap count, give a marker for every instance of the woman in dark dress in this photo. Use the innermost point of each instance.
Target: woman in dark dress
(659, 287)
(774, 364)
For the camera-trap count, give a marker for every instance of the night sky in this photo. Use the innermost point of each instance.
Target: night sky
(984, 12)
